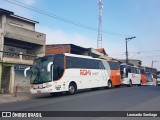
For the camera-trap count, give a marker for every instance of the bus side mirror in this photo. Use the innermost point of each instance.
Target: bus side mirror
(25, 71)
(152, 77)
(124, 74)
(49, 66)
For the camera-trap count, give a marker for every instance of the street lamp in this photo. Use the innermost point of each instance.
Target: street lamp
(127, 40)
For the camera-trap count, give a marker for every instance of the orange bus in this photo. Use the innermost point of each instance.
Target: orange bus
(143, 76)
(115, 76)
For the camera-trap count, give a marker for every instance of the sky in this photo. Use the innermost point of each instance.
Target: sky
(121, 19)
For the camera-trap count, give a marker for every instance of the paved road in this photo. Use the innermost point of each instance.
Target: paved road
(144, 98)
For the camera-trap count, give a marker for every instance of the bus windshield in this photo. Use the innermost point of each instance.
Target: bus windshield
(158, 78)
(149, 77)
(124, 73)
(113, 65)
(39, 70)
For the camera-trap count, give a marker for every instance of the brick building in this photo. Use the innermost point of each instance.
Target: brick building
(74, 49)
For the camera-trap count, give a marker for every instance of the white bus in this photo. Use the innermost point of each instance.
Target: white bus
(151, 79)
(130, 75)
(68, 72)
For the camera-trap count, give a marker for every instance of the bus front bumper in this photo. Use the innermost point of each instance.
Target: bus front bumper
(43, 90)
(125, 81)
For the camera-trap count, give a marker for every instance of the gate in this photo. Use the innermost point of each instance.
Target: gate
(5, 79)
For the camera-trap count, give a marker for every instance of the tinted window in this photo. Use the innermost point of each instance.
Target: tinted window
(123, 73)
(58, 67)
(113, 65)
(129, 69)
(121, 67)
(74, 62)
(138, 71)
(149, 77)
(39, 70)
(134, 70)
(142, 71)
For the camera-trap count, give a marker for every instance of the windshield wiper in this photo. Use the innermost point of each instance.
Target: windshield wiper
(36, 74)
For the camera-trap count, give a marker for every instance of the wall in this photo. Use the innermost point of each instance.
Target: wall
(3, 21)
(23, 83)
(20, 23)
(39, 50)
(57, 49)
(0, 76)
(26, 35)
(0, 21)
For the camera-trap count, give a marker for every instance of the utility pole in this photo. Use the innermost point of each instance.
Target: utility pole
(152, 63)
(127, 40)
(99, 38)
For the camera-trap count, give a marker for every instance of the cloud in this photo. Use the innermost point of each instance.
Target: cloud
(58, 36)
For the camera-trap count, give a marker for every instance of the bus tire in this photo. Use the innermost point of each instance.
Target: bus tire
(72, 89)
(109, 84)
(130, 84)
(117, 86)
(52, 94)
(95, 88)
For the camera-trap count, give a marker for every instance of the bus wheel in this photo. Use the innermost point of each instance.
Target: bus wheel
(52, 94)
(72, 88)
(117, 86)
(130, 84)
(109, 84)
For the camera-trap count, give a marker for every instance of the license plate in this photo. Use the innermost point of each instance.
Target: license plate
(38, 86)
(38, 91)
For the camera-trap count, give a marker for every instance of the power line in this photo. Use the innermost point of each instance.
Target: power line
(140, 43)
(135, 52)
(134, 55)
(149, 51)
(136, 45)
(150, 56)
(17, 3)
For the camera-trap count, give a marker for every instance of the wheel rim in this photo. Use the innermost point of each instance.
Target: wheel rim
(130, 83)
(71, 89)
(109, 84)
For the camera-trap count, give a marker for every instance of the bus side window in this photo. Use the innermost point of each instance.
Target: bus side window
(134, 70)
(58, 67)
(55, 73)
(127, 72)
(138, 71)
(129, 69)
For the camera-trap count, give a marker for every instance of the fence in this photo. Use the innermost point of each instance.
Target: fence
(18, 55)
